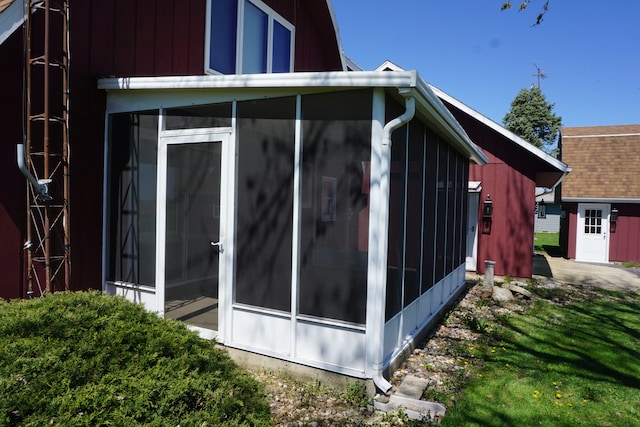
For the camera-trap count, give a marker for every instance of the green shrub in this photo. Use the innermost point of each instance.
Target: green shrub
(83, 359)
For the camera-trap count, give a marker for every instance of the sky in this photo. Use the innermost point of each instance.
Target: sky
(589, 51)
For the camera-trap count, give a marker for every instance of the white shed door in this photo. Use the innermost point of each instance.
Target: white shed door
(472, 232)
(592, 237)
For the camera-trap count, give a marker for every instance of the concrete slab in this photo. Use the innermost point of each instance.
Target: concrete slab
(606, 276)
(412, 387)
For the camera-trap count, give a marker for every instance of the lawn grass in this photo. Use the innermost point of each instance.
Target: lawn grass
(547, 242)
(573, 365)
(83, 359)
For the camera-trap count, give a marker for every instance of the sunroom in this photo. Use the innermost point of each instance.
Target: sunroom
(318, 218)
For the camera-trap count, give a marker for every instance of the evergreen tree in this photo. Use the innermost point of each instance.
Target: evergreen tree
(532, 118)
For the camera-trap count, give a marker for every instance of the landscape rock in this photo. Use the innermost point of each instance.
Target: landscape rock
(519, 290)
(502, 294)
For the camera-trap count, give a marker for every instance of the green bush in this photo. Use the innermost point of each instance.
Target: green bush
(83, 359)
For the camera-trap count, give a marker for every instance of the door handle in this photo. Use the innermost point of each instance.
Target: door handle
(218, 247)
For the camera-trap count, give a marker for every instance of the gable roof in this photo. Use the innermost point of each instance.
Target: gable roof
(552, 170)
(11, 18)
(605, 162)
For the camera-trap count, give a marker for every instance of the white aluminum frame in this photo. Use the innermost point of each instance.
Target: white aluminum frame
(367, 345)
(227, 190)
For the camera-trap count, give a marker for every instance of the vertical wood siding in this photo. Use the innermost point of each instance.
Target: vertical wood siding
(624, 242)
(119, 38)
(509, 178)
(12, 196)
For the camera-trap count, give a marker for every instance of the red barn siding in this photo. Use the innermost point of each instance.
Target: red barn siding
(120, 38)
(509, 241)
(12, 196)
(624, 242)
(568, 227)
(510, 179)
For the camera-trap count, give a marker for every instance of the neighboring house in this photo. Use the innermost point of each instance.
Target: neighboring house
(516, 168)
(228, 171)
(548, 211)
(601, 197)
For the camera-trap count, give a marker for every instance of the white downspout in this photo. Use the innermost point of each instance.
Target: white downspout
(41, 186)
(410, 108)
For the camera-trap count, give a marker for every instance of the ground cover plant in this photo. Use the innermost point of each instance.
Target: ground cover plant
(83, 359)
(569, 364)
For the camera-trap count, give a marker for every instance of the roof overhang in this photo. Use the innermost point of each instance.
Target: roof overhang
(11, 18)
(428, 104)
(549, 178)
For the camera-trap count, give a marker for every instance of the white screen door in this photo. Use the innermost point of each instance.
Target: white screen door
(191, 228)
(592, 236)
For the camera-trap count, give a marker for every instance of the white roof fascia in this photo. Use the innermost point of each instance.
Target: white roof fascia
(337, 31)
(598, 200)
(500, 129)
(275, 80)
(389, 66)
(11, 19)
(476, 153)
(425, 98)
(444, 117)
(350, 63)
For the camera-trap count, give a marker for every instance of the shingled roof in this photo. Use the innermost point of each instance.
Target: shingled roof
(605, 162)
(5, 4)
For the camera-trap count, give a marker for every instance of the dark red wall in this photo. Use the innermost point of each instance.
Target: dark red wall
(13, 194)
(118, 38)
(624, 243)
(509, 178)
(508, 238)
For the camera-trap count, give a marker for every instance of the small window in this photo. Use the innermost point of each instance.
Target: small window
(593, 221)
(247, 37)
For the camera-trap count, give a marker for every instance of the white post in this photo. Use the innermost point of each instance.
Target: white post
(489, 268)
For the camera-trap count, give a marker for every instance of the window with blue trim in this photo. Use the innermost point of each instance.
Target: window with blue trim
(246, 37)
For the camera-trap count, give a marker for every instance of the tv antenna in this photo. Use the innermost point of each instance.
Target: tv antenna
(539, 74)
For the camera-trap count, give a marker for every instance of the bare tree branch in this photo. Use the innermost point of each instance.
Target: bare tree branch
(523, 5)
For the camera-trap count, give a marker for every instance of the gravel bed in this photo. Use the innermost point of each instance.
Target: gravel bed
(448, 359)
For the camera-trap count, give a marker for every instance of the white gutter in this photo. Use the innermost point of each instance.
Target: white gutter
(410, 108)
(599, 200)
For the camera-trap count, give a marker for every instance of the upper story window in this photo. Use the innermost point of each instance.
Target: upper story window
(246, 37)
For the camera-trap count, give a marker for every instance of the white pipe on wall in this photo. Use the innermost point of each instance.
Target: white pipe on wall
(410, 108)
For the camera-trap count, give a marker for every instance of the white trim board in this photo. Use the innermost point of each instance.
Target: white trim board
(598, 200)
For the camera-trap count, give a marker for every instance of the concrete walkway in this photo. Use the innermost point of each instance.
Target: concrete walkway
(606, 276)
